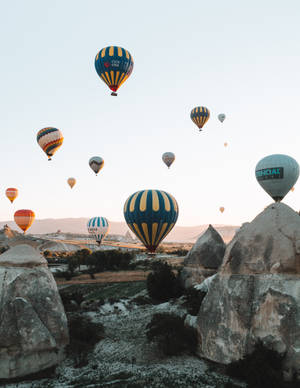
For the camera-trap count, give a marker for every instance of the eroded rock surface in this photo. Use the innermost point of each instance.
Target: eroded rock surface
(256, 294)
(33, 324)
(204, 258)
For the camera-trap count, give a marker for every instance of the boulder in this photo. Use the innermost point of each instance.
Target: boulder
(203, 259)
(256, 294)
(33, 324)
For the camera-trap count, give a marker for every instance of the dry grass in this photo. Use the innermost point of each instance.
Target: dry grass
(106, 277)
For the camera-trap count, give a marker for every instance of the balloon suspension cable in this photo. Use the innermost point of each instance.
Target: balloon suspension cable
(114, 94)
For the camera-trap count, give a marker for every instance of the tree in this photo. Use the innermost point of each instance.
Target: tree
(162, 283)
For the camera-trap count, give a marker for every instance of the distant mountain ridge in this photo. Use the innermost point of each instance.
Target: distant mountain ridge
(78, 225)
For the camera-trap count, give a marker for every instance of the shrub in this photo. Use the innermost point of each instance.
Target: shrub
(111, 260)
(193, 300)
(263, 368)
(3, 249)
(68, 275)
(141, 300)
(162, 283)
(67, 299)
(180, 252)
(84, 334)
(47, 254)
(171, 335)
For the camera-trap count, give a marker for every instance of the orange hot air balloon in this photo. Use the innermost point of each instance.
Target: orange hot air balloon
(11, 194)
(71, 182)
(222, 209)
(293, 188)
(24, 218)
(225, 144)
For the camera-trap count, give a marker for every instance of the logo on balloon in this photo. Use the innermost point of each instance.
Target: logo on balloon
(106, 64)
(269, 173)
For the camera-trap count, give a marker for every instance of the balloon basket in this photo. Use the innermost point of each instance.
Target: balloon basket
(114, 94)
(151, 254)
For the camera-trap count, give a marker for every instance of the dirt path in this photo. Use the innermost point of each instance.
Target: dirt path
(106, 277)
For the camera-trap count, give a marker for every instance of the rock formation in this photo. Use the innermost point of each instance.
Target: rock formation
(33, 324)
(204, 258)
(256, 294)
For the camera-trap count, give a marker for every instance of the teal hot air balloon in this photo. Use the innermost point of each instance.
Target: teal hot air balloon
(114, 65)
(277, 174)
(151, 215)
(98, 227)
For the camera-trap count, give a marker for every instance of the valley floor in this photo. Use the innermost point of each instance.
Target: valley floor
(124, 358)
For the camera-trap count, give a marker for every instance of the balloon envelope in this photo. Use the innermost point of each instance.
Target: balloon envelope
(96, 163)
(168, 158)
(151, 215)
(50, 139)
(221, 117)
(200, 116)
(24, 218)
(98, 227)
(71, 182)
(277, 174)
(114, 65)
(11, 193)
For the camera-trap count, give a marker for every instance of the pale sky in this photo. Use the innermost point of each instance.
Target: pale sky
(241, 58)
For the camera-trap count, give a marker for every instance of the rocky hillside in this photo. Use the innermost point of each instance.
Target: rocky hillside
(78, 226)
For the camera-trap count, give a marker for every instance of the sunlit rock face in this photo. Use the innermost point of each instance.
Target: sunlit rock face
(33, 324)
(204, 258)
(256, 294)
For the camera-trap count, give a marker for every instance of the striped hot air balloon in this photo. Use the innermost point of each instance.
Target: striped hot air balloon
(24, 218)
(151, 215)
(200, 116)
(11, 193)
(114, 65)
(50, 139)
(98, 227)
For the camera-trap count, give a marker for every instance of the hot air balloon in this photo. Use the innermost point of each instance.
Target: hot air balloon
(168, 158)
(24, 219)
(96, 163)
(114, 65)
(71, 182)
(222, 209)
(151, 215)
(11, 193)
(50, 139)
(221, 117)
(98, 227)
(277, 174)
(225, 144)
(292, 189)
(200, 116)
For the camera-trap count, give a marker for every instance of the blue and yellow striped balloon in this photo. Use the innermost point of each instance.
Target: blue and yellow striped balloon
(151, 215)
(200, 116)
(114, 65)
